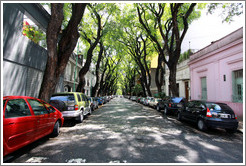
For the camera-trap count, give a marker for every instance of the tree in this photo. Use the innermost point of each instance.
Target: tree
(172, 30)
(59, 51)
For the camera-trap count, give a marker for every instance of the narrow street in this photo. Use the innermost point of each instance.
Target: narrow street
(123, 131)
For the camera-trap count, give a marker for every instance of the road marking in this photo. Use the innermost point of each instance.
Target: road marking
(36, 159)
(78, 160)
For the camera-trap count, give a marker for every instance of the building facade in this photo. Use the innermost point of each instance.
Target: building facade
(182, 80)
(71, 76)
(216, 72)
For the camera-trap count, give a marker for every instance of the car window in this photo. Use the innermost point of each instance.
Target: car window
(17, 108)
(63, 97)
(37, 107)
(84, 98)
(4, 101)
(50, 108)
(190, 104)
(176, 99)
(79, 98)
(213, 106)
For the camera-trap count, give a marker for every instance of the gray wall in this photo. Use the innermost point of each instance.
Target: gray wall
(23, 61)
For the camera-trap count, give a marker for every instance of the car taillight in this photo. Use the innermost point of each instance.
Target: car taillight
(235, 116)
(170, 105)
(76, 107)
(208, 113)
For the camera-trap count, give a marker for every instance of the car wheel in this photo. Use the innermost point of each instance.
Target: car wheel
(81, 117)
(201, 125)
(233, 130)
(56, 130)
(179, 117)
(165, 111)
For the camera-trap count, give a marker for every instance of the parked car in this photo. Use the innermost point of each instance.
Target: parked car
(93, 103)
(27, 119)
(133, 98)
(153, 102)
(77, 105)
(147, 100)
(99, 100)
(138, 99)
(172, 104)
(209, 115)
(142, 100)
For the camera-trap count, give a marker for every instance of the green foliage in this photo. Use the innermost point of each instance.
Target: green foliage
(229, 10)
(33, 33)
(137, 90)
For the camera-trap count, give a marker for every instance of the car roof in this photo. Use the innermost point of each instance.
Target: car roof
(209, 102)
(18, 97)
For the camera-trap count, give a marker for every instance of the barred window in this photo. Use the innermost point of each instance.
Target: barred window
(237, 86)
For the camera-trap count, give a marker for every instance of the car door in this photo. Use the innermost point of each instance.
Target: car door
(187, 112)
(86, 104)
(42, 116)
(19, 124)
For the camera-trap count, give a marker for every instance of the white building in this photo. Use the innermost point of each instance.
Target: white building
(182, 80)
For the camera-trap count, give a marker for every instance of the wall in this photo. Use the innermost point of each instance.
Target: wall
(23, 61)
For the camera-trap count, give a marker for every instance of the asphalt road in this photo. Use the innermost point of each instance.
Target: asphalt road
(123, 131)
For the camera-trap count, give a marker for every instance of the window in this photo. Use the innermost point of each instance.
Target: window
(237, 86)
(17, 108)
(79, 98)
(50, 108)
(204, 88)
(37, 107)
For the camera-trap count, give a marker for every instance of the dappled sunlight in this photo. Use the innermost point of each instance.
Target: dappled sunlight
(209, 146)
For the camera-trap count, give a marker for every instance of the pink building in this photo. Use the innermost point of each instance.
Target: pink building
(216, 72)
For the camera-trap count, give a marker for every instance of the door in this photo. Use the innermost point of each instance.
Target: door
(42, 116)
(19, 125)
(204, 88)
(187, 90)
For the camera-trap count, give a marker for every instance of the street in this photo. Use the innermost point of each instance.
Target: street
(123, 131)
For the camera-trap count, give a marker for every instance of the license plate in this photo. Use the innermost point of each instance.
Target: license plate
(70, 108)
(225, 116)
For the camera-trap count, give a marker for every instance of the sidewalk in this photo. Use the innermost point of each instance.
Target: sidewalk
(240, 126)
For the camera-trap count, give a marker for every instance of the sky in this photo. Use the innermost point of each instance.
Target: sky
(209, 28)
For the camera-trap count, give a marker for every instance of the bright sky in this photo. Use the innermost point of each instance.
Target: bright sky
(209, 28)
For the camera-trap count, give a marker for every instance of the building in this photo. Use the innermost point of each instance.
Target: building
(216, 72)
(24, 61)
(71, 80)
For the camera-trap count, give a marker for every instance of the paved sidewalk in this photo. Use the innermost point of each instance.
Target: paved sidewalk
(240, 126)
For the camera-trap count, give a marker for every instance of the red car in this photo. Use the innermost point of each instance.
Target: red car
(26, 119)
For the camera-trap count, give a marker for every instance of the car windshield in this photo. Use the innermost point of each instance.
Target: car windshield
(63, 97)
(176, 99)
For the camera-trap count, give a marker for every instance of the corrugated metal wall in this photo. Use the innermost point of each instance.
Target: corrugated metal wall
(23, 61)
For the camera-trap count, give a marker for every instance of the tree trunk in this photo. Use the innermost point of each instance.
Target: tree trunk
(86, 67)
(172, 80)
(95, 87)
(58, 58)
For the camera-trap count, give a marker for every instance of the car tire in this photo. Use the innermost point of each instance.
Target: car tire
(201, 125)
(56, 130)
(179, 116)
(165, 111)
(81, 117)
